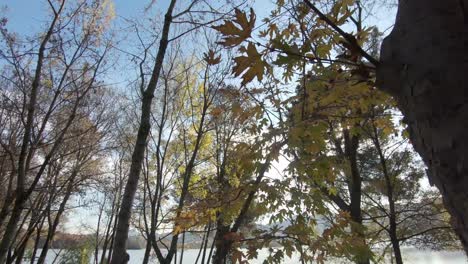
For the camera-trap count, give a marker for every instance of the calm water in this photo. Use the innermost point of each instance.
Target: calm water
(411, 256)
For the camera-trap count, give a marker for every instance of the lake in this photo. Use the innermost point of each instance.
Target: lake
(411, 256)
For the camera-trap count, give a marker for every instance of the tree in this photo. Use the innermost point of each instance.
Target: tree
(206, 131)
(422, 65)
(68, 62)
(236, 182)
(121, 235)
(417, 60)
(147, 90)
(396, 202)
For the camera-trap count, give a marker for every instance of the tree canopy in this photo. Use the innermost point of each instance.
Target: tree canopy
(304, 131)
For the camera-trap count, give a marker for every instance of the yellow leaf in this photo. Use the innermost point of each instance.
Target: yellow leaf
(249, 66)
(177, 230)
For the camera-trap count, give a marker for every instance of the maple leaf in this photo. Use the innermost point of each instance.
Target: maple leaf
(249, 66)
(237, 30)
(236, 256)
(211, 58)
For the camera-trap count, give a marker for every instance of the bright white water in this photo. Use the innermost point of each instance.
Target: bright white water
(411, 256)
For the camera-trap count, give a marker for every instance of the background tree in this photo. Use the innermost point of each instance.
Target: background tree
(67, 64)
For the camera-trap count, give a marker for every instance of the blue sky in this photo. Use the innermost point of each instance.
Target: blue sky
(30, 16)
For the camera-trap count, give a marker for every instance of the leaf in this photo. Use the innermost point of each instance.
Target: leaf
(332, 191)
(236, 256)
(211, 58)
(249, 66)
(177, 230)
(217, 111)
(237, 30)
(292, 53)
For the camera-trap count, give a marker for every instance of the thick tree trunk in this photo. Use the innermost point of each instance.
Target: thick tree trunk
(424, 65)
(121, 236)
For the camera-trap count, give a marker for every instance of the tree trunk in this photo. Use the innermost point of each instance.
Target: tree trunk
(222, 245)
(205, 245)
(28, 131)
(396, 247)
(121, 236)
(109, 231)
(55, 223)
(351, 144)
(392, 231)
(182, 248)
(36, 241)
(424, 64)
(147, 252)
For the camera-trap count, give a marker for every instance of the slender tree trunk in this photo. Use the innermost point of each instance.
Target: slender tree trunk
(109, 232)
(22, 162)
(211, 250)
(151, 239)
(424, 65)
(111, 245)
(19, 253)
(205, 244)
(147, 252)
(37, 241)
(182, 248)
(351, 146)
(22, 240)
(53, 228)
(396, 247)
(96, 246)
(391, 201)
(10, 197)
(121, 236)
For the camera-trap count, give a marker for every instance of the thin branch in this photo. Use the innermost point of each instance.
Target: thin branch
(348, 37)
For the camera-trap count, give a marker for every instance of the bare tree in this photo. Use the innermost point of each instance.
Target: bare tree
(67, 67)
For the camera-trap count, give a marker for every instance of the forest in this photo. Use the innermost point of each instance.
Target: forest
(320, 129)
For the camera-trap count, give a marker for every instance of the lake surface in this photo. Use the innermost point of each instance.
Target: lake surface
(411, 256)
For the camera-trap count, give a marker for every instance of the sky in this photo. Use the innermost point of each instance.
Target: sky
(27, 17)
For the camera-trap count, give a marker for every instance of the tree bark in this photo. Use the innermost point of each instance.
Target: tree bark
(351, 144)
(424, 64)
(119, 250)
(222, 245)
